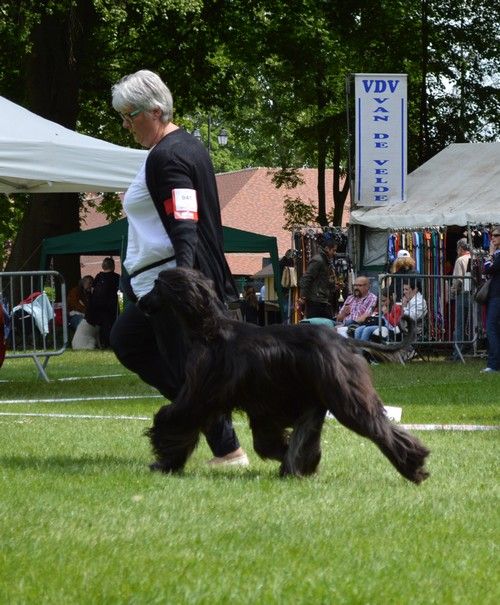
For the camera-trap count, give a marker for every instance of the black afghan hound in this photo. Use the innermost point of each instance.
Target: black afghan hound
(284, 377)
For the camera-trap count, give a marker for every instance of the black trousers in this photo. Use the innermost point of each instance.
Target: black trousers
(134, 342)
(318, 309)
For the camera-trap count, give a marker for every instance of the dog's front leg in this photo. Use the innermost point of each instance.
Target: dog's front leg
(304, 451)
(173, 437)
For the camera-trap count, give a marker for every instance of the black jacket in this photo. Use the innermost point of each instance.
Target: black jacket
(318, 282)
(180, 161)
(493, 272)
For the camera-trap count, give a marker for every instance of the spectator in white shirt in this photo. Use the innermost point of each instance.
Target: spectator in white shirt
(413, 302)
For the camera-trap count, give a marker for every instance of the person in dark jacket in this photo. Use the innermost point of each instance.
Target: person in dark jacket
(102, 308)
(492, 271)
(318, 283)
(250, 305)
(174, 219)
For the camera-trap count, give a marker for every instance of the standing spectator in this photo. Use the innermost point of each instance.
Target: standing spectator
(318, 283)
(174, 219)
(250, 305)
(103, 308)
(492, 271)
(359, 305)
(460, 291)
(78, 300)
(2, 333)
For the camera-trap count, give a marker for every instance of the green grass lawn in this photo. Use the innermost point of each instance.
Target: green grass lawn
(82, 520)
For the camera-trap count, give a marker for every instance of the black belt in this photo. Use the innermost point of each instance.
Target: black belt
(151, 266)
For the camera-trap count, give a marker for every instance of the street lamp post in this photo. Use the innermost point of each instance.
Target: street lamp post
(222, 137)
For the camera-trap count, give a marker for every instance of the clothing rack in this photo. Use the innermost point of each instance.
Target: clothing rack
(428, 247)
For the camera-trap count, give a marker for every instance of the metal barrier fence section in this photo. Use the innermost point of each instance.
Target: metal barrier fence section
(35, 324)
(442, 306)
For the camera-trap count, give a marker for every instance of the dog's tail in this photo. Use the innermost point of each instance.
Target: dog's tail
(393, 351)
(405, 452)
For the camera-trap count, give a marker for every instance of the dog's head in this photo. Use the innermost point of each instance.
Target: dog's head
(190, 295)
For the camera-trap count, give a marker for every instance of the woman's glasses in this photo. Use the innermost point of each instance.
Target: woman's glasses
(129, 117)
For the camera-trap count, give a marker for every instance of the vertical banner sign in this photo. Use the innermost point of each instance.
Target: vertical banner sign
(381, 138)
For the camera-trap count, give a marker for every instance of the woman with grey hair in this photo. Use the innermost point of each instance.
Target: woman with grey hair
(173, 212)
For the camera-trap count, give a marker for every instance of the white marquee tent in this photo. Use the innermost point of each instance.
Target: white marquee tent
(38, 156)
(458, 186)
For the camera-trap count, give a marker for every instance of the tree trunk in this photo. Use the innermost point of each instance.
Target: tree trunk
(322, 220)
(423, 144)
(339, 194)
(53, 79)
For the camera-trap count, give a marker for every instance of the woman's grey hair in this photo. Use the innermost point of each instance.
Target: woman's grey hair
(463, 244)
(143, 90)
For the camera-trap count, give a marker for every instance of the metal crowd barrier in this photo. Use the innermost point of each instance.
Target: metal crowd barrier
(35, 324)
(452, 318)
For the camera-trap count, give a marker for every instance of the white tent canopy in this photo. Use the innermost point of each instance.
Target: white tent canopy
(38, 156)
(458, 186)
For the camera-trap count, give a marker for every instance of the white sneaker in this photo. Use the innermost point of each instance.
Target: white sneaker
(241, 460)
(487, 370)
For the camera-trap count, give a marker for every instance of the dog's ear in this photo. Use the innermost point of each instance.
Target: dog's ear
(150, 303)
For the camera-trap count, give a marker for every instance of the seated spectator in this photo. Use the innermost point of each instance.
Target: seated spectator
(391, 315)
(103, 308)
(78, 300)
(358, 306)
(414, 303)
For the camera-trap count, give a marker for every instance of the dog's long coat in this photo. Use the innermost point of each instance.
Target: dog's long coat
(284, 377)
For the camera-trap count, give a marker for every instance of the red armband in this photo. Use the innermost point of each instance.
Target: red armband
(182, 205)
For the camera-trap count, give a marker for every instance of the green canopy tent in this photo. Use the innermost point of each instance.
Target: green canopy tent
(112, 239)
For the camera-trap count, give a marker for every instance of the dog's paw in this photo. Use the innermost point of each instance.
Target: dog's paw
(162, 467)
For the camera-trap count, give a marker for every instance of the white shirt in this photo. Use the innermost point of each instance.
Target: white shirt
(148, 241)
(416, 307)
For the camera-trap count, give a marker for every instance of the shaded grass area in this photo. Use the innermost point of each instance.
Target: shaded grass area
(83, 521)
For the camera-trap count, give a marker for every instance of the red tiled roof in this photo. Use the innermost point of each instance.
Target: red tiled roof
(251, 202)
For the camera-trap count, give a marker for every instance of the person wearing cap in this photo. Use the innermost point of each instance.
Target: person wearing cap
(402, 265)
(318, 283)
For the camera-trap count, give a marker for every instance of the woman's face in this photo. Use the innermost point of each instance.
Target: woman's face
(495, 237)
(146, 126)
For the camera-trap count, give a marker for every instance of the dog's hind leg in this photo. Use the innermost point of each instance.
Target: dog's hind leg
(304, 451)
(269, 440)
(173, 438)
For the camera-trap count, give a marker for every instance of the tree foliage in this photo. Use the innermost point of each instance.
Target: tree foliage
(273, 74)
